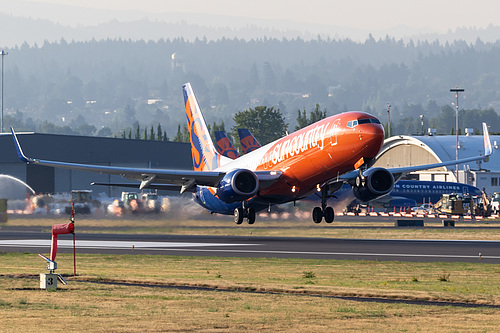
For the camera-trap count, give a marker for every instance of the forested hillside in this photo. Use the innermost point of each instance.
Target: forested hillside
(107, 87)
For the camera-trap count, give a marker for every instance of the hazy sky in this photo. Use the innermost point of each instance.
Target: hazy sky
(439, 15)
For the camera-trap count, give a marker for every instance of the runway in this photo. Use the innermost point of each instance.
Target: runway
(248, 246)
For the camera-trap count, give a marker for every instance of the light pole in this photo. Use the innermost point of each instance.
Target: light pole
(389, 120)
(3, 53)
(422, 122)
(456, 91)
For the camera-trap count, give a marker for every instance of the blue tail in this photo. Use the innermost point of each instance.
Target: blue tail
(224, 146)
(248, 141)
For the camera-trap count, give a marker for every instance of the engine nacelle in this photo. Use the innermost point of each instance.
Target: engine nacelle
(238, 185)
(377, 182)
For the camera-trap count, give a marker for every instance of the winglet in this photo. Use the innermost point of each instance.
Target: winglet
(20, 153)
(487, 141)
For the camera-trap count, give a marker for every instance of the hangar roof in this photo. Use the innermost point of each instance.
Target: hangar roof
(443, 148)
(97, 150)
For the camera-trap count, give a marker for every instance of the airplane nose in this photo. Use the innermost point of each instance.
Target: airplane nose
(372, 135)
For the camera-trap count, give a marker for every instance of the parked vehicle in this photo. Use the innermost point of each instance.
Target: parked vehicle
(495, 203)
(83, 202)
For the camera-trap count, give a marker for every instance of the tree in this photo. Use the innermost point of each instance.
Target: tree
(216, 127)
(159, 133)
(182, 136)
(106, 132)
(314, 116)
(266, 124)
(138, 132)
(86, 129)
(152, 135)
(178, 136)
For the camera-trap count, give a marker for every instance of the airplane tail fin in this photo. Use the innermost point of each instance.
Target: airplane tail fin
(205, 156)
(487, 143)
(224, 146)
(248, 141)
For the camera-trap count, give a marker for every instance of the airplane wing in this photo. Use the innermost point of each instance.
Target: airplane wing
(154, 186)
(185, 180)
(398, 172)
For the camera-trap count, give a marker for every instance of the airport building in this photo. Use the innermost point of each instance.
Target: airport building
(89, 150)
(404, 150)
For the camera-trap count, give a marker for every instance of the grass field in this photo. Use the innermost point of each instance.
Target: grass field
(247, 294)
(293, 304)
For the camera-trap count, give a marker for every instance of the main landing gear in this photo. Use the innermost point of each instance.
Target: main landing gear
(324, 211)
(243, 212)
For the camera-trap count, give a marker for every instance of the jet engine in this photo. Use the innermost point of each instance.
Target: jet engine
(238, 185)
(375, 183)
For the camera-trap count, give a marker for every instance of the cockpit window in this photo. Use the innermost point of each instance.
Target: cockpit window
(352, 123)
(368, 120)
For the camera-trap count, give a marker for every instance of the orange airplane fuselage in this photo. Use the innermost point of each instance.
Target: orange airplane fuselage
(320, 152)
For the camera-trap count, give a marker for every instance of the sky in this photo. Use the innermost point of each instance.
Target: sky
(435, 15)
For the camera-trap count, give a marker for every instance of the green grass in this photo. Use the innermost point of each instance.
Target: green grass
(469, 282)
(292, 305)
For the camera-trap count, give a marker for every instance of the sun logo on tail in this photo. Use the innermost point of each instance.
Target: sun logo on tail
(205, 157)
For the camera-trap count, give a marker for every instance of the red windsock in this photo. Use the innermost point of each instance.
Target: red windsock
(59, 229)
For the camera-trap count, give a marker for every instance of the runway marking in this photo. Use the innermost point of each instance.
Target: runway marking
(339, 253)
(108, 244)
(189, 247)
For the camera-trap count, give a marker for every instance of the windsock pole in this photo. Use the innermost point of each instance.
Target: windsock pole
(72, 219)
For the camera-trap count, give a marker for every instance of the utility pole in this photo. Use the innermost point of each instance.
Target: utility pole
(456, 91)
(389, 120)
(422, 122)
(3, 53)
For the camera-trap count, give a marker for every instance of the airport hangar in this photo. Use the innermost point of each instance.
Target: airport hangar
(397, 151)
(86, 149)
(405, 150)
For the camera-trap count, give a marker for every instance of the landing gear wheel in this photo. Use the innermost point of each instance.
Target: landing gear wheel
(238, 215)
(251, 216)
(317, 215)
(329, 214)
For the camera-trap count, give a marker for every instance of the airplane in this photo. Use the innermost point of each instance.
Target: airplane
(409, 193)
(406, 193)
(427, 191)
(224, 146)
(318, 158)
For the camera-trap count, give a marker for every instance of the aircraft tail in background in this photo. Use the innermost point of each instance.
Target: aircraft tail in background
(248, 141)
(205, 156)
(224, 146)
